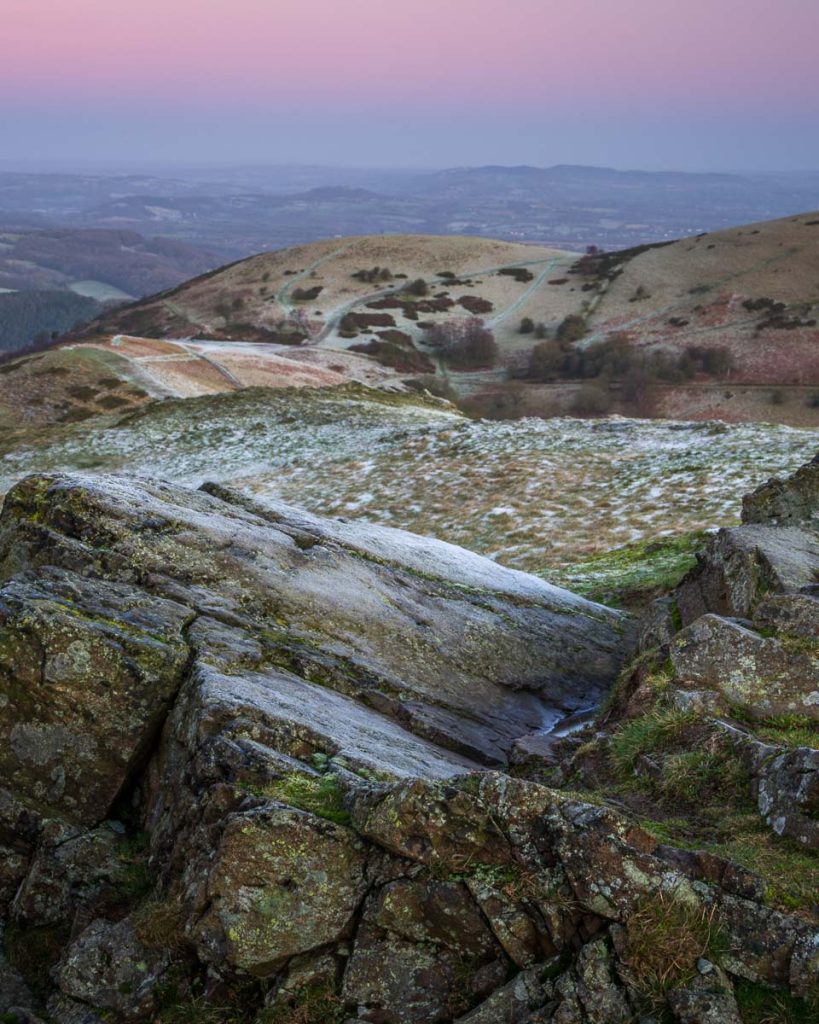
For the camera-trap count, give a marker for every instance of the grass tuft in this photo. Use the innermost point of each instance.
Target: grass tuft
(665, 936)
(653, 732)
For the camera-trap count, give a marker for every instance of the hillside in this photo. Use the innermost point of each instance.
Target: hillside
(722, 325)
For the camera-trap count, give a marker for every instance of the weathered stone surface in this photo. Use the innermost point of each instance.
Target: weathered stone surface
(760, 674)
(108, 968)
(515, 924)
(513, 1002)
(590, 991)
(88, 671)
(281, 882)
(309, 760)
(794, 614)
(434, 824)
(707, 999)
(788, 795)
(69, 869)
(434, 912)
(793, 500)
(743, 564)
(457, 648)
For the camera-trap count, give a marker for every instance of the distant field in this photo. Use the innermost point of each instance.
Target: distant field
(99, 290)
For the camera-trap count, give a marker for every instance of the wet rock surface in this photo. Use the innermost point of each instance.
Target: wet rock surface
(267, 767)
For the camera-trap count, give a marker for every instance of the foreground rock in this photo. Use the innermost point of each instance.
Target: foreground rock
(256, 765)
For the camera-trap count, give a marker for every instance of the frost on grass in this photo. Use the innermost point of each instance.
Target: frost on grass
(532, 494)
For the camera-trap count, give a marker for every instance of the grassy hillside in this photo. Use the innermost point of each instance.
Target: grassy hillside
(718, 326)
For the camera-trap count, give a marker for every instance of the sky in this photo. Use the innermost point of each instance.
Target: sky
(654, 84)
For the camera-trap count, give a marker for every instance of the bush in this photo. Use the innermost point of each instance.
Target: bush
(418, 287)
(546, 361)
(592, 400)
(573, 328)
(307, 294)
(495, 404)
(527, 325)
(639, 390)
(464, 344)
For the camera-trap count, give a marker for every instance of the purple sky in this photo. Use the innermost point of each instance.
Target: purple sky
(690, 84)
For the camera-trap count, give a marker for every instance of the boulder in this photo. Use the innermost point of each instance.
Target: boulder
(453, 647)
(708, 998)
(793, 500)
(88, 671)
(742, 565)
(280, 883)
(108, 968)
(763, 676)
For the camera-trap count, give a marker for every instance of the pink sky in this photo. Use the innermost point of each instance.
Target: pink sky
(310, 57)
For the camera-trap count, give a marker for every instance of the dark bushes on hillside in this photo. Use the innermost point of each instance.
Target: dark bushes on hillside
(464, 344)
(37, 315)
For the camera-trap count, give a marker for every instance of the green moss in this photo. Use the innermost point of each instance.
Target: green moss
(635, 573)
(320, 795)
(790, 871)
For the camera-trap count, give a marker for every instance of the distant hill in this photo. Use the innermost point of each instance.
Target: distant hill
(26, 316)
(125, 260)
(722, 325)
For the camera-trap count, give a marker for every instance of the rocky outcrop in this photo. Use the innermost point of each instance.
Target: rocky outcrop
(263, 765)
(793, 500)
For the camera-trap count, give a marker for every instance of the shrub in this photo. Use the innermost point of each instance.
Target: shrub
(573, 328)
(465, 344)
(546, 361)
(475, 304)
(520, 274)
(495, 404)
(527, 325)
(307, 294)
(639, 390)
(418, 287)
(592, 400)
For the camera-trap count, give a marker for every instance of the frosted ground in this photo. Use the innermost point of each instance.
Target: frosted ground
(533, 494)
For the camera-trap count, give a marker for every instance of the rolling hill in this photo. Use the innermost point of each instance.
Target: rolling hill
(723, 325)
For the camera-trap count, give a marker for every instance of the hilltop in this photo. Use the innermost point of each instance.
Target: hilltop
(724, 324)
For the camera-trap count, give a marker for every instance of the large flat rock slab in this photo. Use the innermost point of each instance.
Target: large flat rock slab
(454, 648)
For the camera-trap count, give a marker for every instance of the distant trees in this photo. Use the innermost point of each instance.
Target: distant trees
(573, 328)
(464, 344)
(616, 358)
(26, 316)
